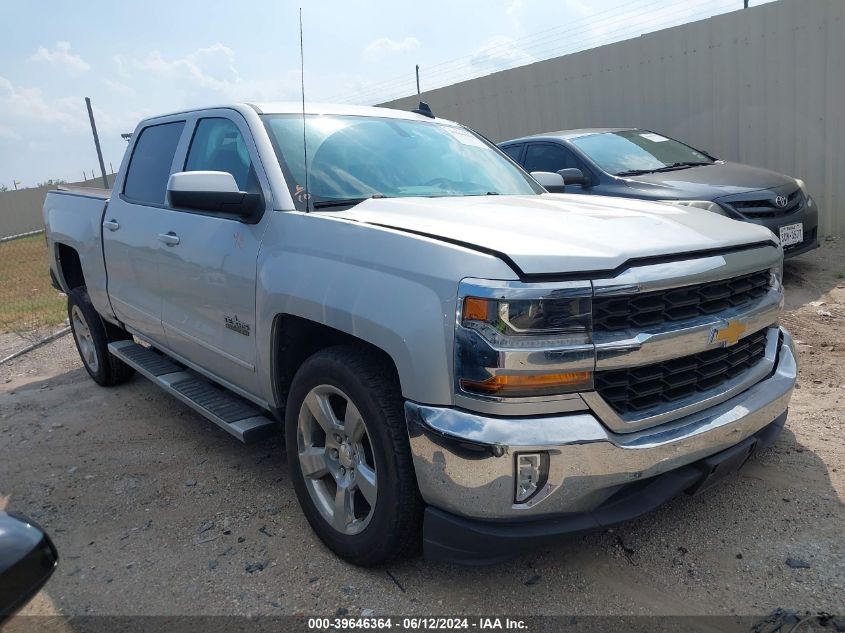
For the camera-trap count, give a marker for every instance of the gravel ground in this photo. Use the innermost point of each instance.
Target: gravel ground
(156, 511)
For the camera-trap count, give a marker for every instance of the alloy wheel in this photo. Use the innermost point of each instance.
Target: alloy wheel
(84, 339)
(336, 459)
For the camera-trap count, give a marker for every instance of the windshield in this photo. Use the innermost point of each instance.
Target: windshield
(351, 158)
(638, 151)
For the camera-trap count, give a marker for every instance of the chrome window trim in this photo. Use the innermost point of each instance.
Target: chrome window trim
(692, 404)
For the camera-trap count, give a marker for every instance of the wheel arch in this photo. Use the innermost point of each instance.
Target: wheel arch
(294, 339)
(69, 267)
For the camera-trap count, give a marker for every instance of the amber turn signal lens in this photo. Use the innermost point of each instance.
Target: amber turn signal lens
(476, 309)
(542, 384)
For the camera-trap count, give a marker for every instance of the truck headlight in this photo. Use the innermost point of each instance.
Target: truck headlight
(524, 340)
(706, 205)
(501, 319)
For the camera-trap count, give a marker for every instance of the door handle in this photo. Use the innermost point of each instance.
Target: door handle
(111, 225)
(171, 239)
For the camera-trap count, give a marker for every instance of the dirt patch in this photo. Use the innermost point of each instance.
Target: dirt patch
(156, 511)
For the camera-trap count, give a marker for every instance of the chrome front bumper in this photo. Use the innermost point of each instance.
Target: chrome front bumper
(465, 461)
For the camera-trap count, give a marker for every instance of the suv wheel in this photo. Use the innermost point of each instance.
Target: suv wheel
(350, 461)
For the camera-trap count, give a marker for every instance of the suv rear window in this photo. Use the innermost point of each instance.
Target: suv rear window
(152, 157)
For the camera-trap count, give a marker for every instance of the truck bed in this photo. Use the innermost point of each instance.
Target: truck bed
(88, 192)
(73, 217)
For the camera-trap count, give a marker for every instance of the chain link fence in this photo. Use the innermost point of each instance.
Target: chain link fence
(31, 310)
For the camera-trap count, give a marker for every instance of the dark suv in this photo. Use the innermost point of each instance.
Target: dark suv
(635, 163)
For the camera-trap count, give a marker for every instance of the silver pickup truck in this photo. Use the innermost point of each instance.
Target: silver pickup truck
(455, 355)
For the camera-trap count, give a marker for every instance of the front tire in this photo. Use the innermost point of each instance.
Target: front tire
(92, 337)
(349, 456)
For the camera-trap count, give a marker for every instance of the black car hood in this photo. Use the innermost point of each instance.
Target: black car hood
(707, 182)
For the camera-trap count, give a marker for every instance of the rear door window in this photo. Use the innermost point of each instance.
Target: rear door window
(152, 158)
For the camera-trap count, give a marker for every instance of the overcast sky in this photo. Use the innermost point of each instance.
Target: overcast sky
(136, 59)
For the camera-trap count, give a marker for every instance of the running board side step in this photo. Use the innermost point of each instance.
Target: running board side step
(226, 410)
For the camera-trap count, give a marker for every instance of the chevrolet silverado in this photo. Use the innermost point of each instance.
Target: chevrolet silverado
(456, 356)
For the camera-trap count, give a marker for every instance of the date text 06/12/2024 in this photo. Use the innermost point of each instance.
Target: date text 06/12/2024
(416, 623)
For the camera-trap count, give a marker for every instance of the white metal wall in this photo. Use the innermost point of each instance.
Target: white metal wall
(764, 86)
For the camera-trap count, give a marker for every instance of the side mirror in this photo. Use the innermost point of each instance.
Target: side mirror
(211, 191)
(573, 176)
(551, 181)
(27, 559)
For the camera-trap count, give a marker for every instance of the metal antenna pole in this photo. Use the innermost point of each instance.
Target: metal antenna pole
(97, 143)
(307, 195)
(418, 79)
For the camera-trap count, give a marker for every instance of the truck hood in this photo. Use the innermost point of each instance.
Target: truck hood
(560, 233)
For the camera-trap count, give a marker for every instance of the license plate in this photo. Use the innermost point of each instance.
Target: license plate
(791, 234)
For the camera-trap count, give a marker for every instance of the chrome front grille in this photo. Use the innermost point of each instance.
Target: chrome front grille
(638, 389)
(649, 309)
(653, 327)
(766, 207)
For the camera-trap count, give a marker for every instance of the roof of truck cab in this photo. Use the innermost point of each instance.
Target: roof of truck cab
(295, 107)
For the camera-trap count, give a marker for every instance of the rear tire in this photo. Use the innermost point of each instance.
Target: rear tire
(349, 455)
(92, 336)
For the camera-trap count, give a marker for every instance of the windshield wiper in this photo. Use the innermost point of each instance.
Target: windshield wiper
(343, 202)
(692, 163)
(634, 172)
(672, 167)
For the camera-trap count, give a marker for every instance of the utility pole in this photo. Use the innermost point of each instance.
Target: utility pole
(418, 78)
(97, 142)
(745, 4)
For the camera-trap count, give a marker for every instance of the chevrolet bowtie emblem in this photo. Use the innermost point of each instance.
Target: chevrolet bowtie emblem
(729, 333)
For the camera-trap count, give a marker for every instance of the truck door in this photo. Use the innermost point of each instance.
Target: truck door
(208, 278)
(131, 225)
